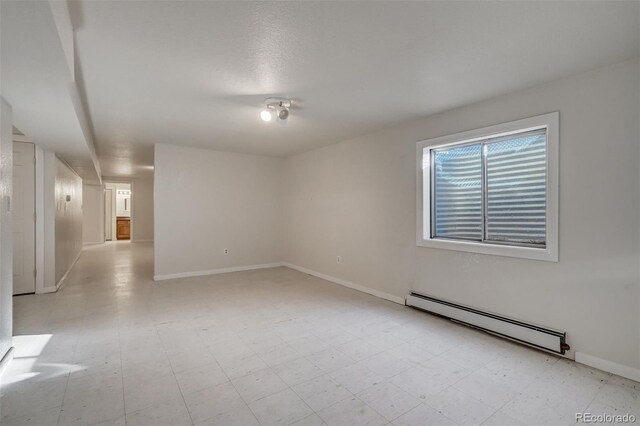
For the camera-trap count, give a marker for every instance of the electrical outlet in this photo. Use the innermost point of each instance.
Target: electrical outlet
(226, 251)
(339, 259)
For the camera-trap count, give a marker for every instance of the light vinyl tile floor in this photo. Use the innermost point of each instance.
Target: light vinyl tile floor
(271, 347)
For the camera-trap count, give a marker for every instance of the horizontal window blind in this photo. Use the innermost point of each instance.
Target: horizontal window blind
(493, 190)
(458, 192)
(516, 171)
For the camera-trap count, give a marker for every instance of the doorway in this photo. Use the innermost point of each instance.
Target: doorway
(23, 214)
(118, 218)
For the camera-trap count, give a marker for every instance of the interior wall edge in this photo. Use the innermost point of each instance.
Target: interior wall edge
(6, 360)
(68, 271)
(163, 277)
(40, 219)
(6, 228)
(66, 274)
(608, 366)
(49, 209)
(345, 283)
(69, 217)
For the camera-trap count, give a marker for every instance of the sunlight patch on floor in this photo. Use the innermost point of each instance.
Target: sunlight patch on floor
(30, 345)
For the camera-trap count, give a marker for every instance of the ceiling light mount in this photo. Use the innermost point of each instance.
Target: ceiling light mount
(276, 108)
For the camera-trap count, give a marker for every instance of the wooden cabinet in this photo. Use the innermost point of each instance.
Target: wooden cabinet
(123, 228)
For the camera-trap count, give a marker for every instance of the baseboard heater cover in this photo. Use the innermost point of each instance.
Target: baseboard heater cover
(529, 334)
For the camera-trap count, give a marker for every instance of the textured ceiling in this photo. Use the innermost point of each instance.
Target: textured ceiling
(195, 73)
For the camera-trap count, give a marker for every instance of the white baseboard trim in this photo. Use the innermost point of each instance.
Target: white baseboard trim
(215, 271)
(353, 286)
(6, 359)
(92, 243)
(141, 241)
(61, 281)
(608, 366)
(340, 281)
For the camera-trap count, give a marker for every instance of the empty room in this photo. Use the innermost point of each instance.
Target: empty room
(319, 213)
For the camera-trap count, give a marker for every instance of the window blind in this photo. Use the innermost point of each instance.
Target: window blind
(516, 171)
(458, 192)
(493, 190)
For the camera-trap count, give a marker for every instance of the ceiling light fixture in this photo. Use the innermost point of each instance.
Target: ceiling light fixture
(276, 108)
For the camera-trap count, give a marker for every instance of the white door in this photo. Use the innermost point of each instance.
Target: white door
(108, 214)
(23, 214)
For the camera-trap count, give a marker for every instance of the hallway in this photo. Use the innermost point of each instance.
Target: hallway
(271, 346)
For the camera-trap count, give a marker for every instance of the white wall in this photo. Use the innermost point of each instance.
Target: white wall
(68, 229)
(6, 245)
(356, 199)
(112, 213)
(123, 200)
(206, 201)
(142, 206)
(92, 213)
(50, 169)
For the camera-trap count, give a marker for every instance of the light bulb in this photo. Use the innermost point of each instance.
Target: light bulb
(266, 115)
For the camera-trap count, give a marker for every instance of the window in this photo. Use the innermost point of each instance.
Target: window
(492, 190)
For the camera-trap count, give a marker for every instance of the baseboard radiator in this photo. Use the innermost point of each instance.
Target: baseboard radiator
(529, 334)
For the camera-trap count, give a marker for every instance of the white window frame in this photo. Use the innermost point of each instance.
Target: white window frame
(423, 180)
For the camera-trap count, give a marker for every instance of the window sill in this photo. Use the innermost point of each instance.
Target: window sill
(549, 254)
